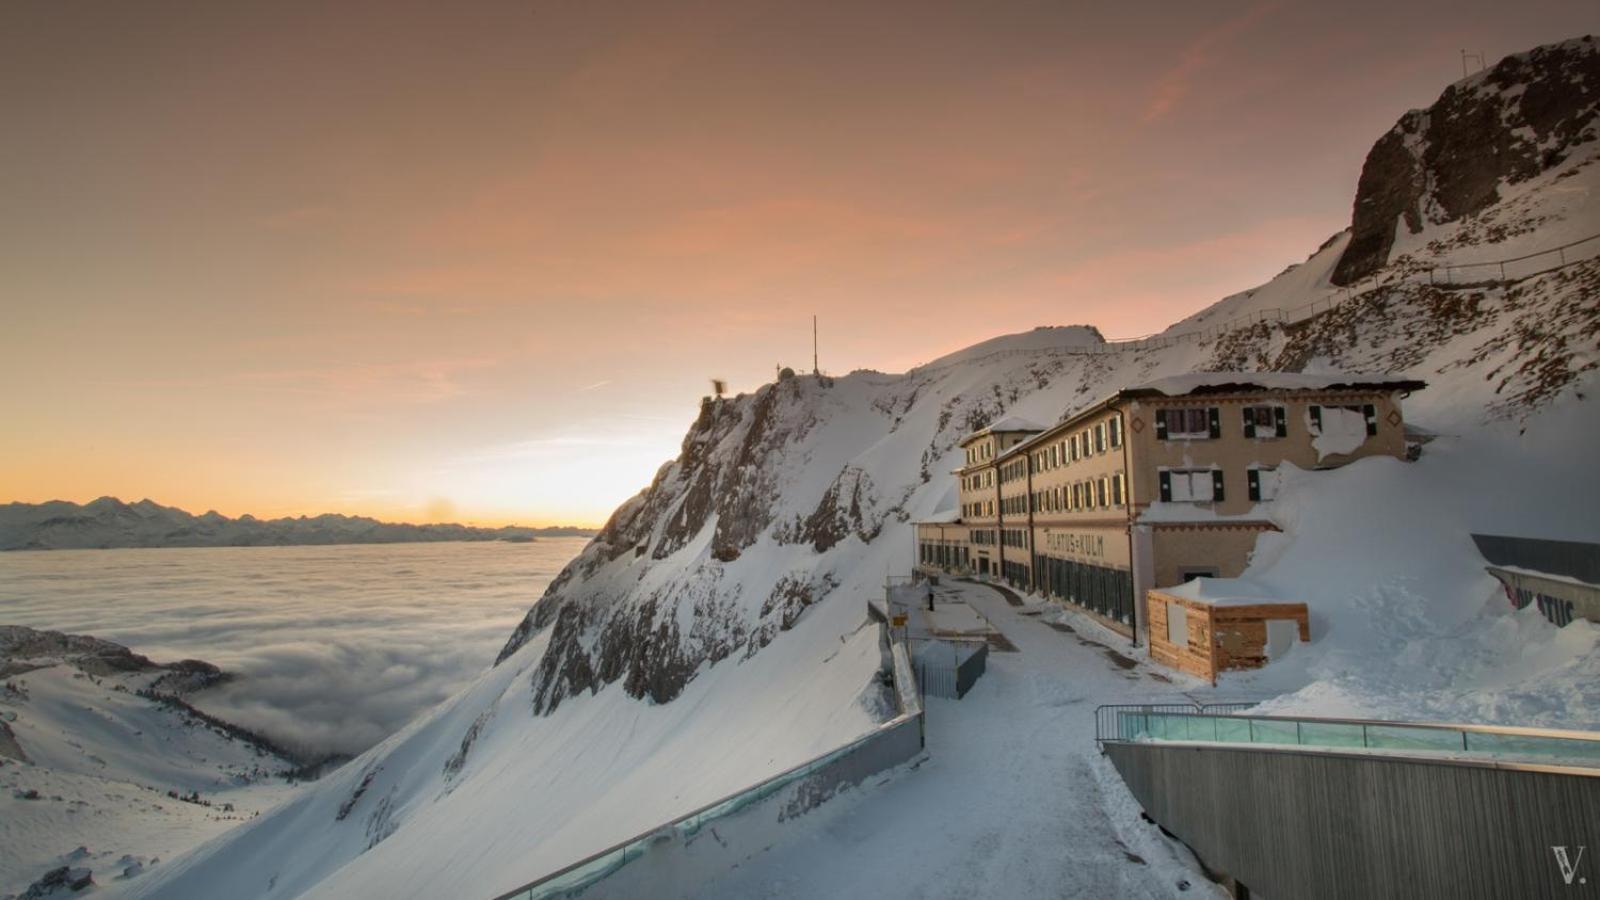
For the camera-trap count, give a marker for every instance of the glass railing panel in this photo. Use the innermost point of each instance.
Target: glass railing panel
(1233, 730)
(1410, 737)
(1271, 731)
(1331, 734)
(1556, 749)
(1133, 725)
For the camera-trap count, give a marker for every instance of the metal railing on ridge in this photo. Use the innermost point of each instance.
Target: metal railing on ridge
(1559, 746)
(1438, 275)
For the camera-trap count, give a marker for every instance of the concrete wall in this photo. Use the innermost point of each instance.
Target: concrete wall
(1221, 547)
(1347, 825)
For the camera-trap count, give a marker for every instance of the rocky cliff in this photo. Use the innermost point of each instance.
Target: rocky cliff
(1499, 127)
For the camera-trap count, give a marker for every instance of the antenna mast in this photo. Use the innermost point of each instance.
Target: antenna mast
(815, 369)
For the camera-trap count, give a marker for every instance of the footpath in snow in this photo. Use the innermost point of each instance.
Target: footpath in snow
(1013, 799)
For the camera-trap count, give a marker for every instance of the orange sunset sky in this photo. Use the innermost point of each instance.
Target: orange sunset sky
(477, 261)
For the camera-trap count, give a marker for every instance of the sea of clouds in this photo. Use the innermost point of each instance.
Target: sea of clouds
(335, 647)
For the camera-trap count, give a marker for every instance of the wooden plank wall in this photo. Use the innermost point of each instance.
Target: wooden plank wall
(1196, 657)
(1221, 638)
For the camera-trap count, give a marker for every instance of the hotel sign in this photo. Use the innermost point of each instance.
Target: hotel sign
(1092, 546)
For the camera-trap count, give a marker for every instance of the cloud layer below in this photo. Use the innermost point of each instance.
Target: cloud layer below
(336, 647)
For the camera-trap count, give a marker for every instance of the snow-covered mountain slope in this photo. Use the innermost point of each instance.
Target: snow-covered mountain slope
(98, 751)
(713, 631)
(109, 522)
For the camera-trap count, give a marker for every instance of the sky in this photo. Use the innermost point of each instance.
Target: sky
(478, 262)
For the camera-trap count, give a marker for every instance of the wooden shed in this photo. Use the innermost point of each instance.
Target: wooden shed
(1206, 636)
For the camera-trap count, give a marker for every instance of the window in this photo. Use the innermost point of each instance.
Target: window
(1177, 625)
(1072, 443)
(1116, 431)
(1187, 424)
(1100, 438)
(1077, 496)
(1263, 484)
(1117, 490)
(1265, 422)
(1191, 486)
(1100, 492)
(1053, 462)
(1367, 413)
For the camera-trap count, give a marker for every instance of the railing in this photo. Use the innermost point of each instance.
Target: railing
(1203, 726)
(1500, 271)
(1107, 722)
(595, 867)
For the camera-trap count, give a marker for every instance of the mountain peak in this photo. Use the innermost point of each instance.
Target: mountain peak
(1498, 127)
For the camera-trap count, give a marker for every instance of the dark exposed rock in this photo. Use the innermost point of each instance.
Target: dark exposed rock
(8, 744)
(58, 882)
(1508, 124)
(1540, 334)
(846, 509)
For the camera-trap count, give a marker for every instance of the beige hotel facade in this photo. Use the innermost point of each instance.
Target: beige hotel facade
(1152, 486)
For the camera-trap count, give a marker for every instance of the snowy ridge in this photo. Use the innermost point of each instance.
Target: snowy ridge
(97, 751)
(109, 522)
(712, 633)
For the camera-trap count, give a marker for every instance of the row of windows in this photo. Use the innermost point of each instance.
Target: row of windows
(1093, 493)
(980, 508)
(1014, 537)
(1013, 506)
(1265, 420)
(978, 482)
(1100, 438)
(981, 536)
(1208, 485)
(1104, 590)
(980, 452)
(1011, 471)
(945, 555)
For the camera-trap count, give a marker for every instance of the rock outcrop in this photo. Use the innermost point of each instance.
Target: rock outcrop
(1449, 161)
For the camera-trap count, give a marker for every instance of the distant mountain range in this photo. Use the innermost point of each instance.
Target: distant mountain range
(109, 522)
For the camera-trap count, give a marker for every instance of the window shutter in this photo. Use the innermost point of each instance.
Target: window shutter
(1316, 417)
(1166, 486)
(1371, 414)
(1214, 415)
(1253, 476)
(1161, 424)
(1249, 414)
(1280, 418)
(1216, 485)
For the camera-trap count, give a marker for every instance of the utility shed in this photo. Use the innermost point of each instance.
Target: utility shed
(1205, 632)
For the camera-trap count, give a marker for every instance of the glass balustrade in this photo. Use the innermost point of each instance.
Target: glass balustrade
(1333, 734)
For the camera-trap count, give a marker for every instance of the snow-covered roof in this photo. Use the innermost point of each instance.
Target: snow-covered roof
(1198, 383)
(942, 517)
(1006, 424)
(1231, 382)
(1224, 592)
(1571, 561)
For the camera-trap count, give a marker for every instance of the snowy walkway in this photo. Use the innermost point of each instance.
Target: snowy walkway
(1013, 800)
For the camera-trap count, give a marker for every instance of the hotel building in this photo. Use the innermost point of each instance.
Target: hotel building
(1151, 486)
